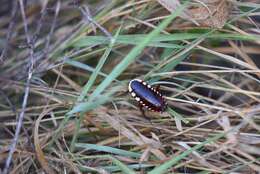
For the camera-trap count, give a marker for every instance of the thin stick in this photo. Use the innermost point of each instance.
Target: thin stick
(26, 93)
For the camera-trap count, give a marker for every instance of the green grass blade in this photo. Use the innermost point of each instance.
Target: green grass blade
(83, 66)
(123, 39)
(160, 39)
(76, 132)
(124, 168)
(131, 166)
(108, 149)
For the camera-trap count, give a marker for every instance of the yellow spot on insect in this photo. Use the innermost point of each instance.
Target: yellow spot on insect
(133, 94)
(137, 98)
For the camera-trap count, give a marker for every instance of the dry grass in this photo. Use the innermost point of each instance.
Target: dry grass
(64, 72)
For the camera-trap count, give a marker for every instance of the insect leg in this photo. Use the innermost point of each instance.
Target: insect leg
(157, 88)
(142, 110)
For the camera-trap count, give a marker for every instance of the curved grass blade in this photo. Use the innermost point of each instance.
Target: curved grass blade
(124, 168)
(108, 149)
(160, 40)
(132, 166)
(83, 66)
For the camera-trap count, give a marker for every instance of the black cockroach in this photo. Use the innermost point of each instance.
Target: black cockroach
(147, 96)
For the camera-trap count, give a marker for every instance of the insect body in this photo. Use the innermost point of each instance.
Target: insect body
(146, 95)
